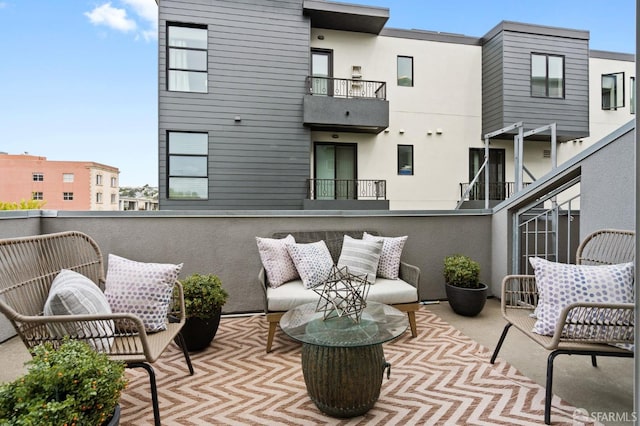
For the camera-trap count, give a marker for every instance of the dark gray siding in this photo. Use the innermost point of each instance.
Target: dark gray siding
(257, 63)
(507, 87)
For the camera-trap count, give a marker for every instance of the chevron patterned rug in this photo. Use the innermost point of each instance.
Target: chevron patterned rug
(440, 377)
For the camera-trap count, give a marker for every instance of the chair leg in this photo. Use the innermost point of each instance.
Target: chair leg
(187, 358)
(549, 386)
(272, 332)
(594, 362)
(154, 388)
(412, 323)
(500, 342)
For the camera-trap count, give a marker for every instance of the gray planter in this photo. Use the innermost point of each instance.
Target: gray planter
(468, 302)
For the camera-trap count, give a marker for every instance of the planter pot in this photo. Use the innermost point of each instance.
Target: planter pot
(198, 333)
(115, 419)
(468, 302)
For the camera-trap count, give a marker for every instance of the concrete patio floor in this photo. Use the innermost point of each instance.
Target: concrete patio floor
(605, 391)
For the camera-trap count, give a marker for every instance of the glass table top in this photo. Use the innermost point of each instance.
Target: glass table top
(379, 323)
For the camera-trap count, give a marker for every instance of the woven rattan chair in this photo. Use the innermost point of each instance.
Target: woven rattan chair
(28, 266)
(520, 297)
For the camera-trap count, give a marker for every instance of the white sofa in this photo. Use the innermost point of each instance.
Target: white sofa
(402, 293)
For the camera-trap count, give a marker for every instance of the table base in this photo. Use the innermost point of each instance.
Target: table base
(343, 381)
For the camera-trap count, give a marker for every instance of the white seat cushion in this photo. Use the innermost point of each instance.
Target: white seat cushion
(293, 293)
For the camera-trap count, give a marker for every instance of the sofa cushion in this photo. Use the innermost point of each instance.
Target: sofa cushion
(291, 294)
(313, 262)
(361, 257)
(389, 265)
(276, 259)
(561, 284)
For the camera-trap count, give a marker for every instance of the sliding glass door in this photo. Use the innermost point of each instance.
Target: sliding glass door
(335, 171)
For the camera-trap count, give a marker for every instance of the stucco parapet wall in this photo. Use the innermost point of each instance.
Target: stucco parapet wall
(616, 56)
(250, 213)
(431, 36)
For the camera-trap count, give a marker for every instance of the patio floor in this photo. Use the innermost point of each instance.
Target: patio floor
(606, 391)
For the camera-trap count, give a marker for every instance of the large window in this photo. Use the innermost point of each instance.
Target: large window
(405, 71)
(613, 91)
(187, 54)
(405, 159)
(547, 75)
(188, 179)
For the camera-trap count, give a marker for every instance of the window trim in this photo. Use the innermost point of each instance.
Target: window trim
(170, 176)
(37, 176)
(67, 196)
(398, 75)
(632, 95)
(37, 195)
(412, 160)
(168, 56)
(546, 77)
(612, 74)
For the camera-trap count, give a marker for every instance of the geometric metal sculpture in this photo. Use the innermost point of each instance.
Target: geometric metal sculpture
(343, 294)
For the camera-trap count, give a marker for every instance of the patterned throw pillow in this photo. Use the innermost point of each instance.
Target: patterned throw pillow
(361, 257)
(389, 265)
(313, 262)
(561, 284)
(72, 293)
(276, 260)
(143, 289)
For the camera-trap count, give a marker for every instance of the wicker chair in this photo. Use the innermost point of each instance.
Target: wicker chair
(520, 297)
(28, 266)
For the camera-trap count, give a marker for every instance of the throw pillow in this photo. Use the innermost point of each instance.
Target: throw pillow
(361, 257)
(561, 284)
(72, 293)
(143, 289)
(276, 260)
(313, 262)
(389, 265)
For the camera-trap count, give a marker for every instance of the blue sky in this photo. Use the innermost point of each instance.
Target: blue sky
(78, 78)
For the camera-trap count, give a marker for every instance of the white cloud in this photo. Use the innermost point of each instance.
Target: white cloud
(111, 17)
(143, 17)
(3, 4)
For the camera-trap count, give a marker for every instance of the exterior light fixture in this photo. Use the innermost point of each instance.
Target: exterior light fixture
(237, 119)
(401, 131)
(438, 131)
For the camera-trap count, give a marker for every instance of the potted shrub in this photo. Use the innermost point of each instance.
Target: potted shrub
(204, 297)
(466, 294)
(71, 385)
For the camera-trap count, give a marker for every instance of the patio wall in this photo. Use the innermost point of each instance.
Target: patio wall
(224, 243)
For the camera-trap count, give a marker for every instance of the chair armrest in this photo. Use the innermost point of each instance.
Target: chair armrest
(518, 292)
(587, 322)
(410, 274)
(262, 280)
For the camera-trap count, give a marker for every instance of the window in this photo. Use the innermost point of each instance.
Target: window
(99, 197)
(188, 162)
(98, 179)
(67, 196)
(67, 177)
(37, 196)
(114, 182)
(547, 76)
(632, 100)
(613, 91)
(405, 71)
(405, 159)
(113, 199)
(38, 177)
(187, 54)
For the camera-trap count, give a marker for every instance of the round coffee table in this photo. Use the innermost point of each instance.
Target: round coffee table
(343, 361)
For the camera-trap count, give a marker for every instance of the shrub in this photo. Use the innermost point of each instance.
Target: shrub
(461, 271)
(203, 295)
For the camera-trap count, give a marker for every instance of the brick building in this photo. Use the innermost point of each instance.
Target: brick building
(62, 185)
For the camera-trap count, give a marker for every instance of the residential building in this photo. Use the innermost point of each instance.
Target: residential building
(306, 104)
(61, 185)
(138, 203)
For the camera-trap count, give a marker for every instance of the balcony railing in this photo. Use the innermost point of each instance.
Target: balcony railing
(346, 88)
(346, 189)
(497, 190)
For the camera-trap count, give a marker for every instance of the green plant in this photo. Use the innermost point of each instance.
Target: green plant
(203, 295)
(461, 271)
(71, 385)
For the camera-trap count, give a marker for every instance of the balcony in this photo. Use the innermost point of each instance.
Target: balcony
(346, 105)
(498, 191)
(346, 194)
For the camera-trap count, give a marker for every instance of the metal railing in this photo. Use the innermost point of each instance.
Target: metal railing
(346, 189)
(346, 88)
(497, 191)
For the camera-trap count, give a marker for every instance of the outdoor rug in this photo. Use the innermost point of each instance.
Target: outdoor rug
(441, 377)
